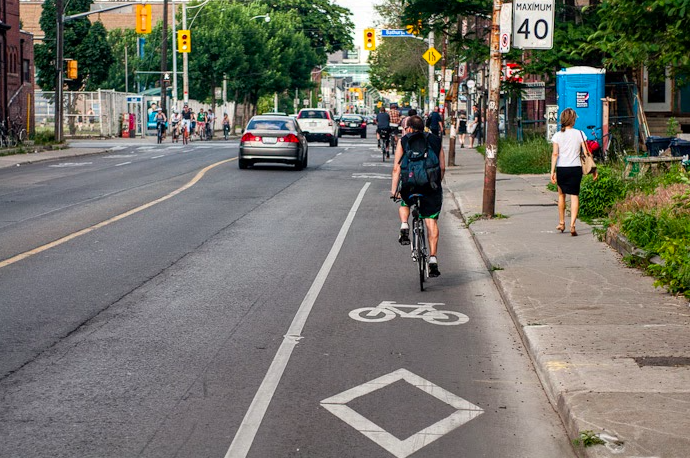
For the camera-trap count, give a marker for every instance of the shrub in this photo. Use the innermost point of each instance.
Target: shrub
(44, 138)
(530, 156)
(597, 198)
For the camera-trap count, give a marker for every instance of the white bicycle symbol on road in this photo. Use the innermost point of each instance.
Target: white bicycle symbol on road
(387, 310)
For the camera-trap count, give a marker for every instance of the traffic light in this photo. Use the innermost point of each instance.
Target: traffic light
(143, 16)
(184, 41)
(72, 70)
(369, 39)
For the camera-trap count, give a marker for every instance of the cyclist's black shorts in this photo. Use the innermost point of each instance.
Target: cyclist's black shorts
(383, 131)
(430, 202)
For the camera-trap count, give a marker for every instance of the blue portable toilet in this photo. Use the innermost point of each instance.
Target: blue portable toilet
(582, 88)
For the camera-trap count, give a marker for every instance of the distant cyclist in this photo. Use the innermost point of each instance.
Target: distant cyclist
(394, 114)
(432, 198)
(201, 123)
(383, 124)
(161, 119)
(175, 123)
(187, 119)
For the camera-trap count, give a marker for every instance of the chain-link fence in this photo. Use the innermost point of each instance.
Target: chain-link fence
(101, 113)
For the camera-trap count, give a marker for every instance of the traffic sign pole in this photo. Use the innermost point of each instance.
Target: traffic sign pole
(431, 74)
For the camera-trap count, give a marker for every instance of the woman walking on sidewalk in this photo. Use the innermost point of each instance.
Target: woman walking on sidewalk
(566, 169)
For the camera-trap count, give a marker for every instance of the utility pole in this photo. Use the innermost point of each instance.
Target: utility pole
(174, 54)
(164, 57)
(489, 202)
(59, 11)
(185, 59)
(431, 75)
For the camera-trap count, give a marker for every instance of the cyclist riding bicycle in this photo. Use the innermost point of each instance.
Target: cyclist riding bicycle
(383, 125)
(201, 123)
(161, 119)
(175, 122)
(187, 118)
(394, 114)
(432, 195)
(226, 125)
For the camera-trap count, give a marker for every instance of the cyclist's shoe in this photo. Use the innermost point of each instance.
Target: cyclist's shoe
(404, 237)
(433, 269)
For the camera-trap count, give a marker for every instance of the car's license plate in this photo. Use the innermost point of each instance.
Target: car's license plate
(312, 124)
(353, 124)
(270, 140)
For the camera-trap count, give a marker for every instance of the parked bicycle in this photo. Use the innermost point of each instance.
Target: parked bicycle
(613, 151)
(420, 252)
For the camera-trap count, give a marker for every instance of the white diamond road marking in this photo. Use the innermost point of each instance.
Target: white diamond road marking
(377, 164)
(120, 156)
(465, 412)
(372, 176)
(143, 148)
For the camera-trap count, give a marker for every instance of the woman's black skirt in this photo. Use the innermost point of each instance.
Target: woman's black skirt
(568, 179)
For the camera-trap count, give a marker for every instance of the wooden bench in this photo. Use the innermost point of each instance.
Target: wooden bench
(647, 163)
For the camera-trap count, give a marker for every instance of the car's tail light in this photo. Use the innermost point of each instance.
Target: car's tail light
(289, 138)
(364, 124)
(342, 124)
(330, 123)
(249, 137)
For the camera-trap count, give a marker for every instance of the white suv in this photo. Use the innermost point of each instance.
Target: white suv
(318, 124)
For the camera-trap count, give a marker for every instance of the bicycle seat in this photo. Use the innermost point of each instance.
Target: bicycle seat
(416, 195)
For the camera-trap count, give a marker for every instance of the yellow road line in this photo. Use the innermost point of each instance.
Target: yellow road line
(131, 212)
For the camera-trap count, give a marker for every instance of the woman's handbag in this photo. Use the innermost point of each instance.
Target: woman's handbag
(587, 161)
(471, 128)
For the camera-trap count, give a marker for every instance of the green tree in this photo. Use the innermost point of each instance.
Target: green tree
(653, 33)
(89, 47)
(327, 25)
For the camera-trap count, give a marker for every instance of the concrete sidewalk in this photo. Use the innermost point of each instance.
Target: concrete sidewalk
(585, 318)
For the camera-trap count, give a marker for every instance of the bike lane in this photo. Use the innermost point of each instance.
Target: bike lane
(381, 369)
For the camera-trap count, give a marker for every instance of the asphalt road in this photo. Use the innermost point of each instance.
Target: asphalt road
(187, 311)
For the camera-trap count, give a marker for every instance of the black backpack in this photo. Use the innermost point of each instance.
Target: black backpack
(420, 168)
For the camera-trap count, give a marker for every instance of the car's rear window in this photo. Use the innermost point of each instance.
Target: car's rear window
(313, 114)
(352, 118)
(269, 124)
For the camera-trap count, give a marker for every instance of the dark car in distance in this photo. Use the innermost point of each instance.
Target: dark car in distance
(352, 124)
(269, 138)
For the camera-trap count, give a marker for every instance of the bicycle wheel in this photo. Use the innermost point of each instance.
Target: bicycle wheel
(419, 248)
(615, 152)
(383, 151)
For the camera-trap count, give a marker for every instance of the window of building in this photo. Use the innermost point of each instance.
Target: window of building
(26, 71)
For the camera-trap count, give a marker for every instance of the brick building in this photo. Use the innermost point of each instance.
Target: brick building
(117, 19)
(16, 68)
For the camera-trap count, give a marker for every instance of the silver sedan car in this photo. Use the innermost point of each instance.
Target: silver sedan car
(273, 138)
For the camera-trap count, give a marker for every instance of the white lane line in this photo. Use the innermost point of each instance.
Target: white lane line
(156, 157)
(118, 148)
(339, 154)
(329, 161)
(144, 148)
(252, 419)
(123, 163)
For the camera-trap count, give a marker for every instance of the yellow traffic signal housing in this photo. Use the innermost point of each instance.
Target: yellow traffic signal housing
(184, 41)
(369, 39)
(72, 70)
(143, 15)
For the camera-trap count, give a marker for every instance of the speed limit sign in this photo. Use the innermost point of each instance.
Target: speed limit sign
(533, 24)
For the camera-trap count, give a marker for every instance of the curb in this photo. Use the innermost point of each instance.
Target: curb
(558, 402)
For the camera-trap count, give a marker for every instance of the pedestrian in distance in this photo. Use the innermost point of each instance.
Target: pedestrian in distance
(436, 122)
(462, 127)
(477, 122)
(566, 168)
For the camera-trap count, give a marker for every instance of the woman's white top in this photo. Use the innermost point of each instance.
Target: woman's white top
(568, 147)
